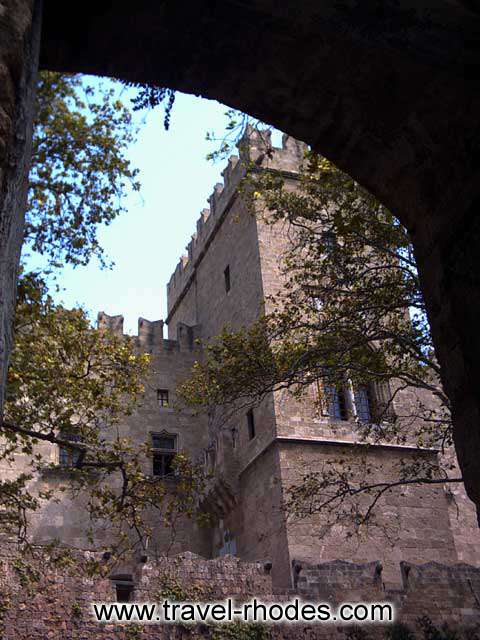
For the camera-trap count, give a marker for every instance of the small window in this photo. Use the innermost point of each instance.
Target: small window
(336, 402)
(363, 403)
(250, 424)
(69, 457)
(226, 276)
(162, 397)
(164, 450)
(124, 588)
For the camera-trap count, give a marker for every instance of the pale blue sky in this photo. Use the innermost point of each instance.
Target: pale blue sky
(146, 242)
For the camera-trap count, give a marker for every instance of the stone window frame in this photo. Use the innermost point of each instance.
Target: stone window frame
(228, 545)
(164, 452)
(68, 458)
(124, 587)
(163, 398)
(211, 456)
(351, 401)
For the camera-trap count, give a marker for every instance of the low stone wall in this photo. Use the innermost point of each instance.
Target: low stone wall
(450, 593)
(51, 600)
(444, 593)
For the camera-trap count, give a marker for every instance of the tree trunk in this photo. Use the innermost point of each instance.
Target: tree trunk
(20, 23)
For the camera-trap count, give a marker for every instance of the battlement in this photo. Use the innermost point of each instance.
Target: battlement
(150, 334)
(254, 148)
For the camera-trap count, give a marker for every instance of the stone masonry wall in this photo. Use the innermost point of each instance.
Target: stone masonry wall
(262, 533)
(66, 518)
(307, 439)
(408, 523)
(55, 603)
(444, 593)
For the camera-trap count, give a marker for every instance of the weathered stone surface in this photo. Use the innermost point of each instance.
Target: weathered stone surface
(57, 605)
(389, 91)
(291, 439)
(411, 524)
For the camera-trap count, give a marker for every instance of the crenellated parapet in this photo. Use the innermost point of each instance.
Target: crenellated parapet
(219, 202)
(150, 338)
(255, 149)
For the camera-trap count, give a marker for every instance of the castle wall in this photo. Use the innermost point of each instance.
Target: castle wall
(206, 302)
(464, 523)
(230, 234)
(263, 534)
(227, 235)
(441, 592)
(55, 602)
(42, 599)
(409, 523)
(66, 518)
(251, 475)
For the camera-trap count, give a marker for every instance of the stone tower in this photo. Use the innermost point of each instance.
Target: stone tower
(232, 265)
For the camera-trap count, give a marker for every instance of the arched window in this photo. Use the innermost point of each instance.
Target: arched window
(336, 402)
(364, 406)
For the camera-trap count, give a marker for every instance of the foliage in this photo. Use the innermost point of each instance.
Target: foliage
(71, 385)
(174, 590)
(239, 631)
(79, 172)
(65, 376)
(149, 97)
(349, 315)
(77, 611)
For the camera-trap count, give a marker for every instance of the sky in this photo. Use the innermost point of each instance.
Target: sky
(146, 241)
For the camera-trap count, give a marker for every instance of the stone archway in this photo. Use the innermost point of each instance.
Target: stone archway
(389, 90)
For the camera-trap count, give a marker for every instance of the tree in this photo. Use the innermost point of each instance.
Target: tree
(80, 171)
(70, 385)
(350, 312)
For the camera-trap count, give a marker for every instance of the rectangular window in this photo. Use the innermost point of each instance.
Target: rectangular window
(162, 397)
(164, 450)
(336, 402)
(226, 276)
(210, 459)
(363, 403)
(124, 592)
(69, 457)
(124, 587)
(250, 424)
